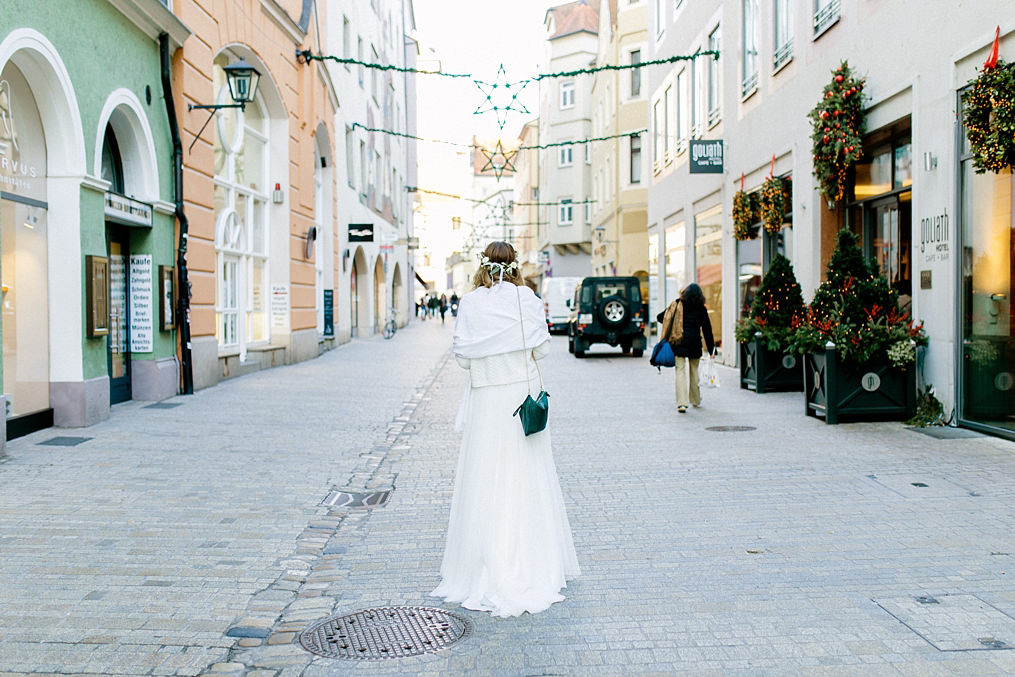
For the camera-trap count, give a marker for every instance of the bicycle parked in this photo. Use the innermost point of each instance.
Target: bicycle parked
(391, 325)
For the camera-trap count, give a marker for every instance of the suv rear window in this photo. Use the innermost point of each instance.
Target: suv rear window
(605, 289)
(616, 289)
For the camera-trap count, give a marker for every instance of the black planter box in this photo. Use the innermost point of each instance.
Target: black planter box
(877, 390)
(763, 370)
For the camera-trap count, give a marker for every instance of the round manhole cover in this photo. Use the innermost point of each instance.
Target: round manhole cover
(730, 428)
(385, 632)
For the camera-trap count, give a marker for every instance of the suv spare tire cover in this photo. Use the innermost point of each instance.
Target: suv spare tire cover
(613, 311)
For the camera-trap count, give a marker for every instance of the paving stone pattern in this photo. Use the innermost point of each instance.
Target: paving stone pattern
(193, 540)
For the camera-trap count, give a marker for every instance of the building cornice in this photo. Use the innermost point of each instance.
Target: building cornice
(95, 183)
(154, 18)
(282, 19)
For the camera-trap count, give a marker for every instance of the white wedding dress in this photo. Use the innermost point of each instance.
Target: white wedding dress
(509, 548)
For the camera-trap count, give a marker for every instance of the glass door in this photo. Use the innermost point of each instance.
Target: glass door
(988, 317)
(119, 323)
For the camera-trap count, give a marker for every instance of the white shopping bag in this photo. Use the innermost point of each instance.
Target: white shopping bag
(708, 376)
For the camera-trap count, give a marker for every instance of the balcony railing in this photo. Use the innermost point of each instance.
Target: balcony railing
(749, 85)
(714, 116)
(783, 55)
(825, 17)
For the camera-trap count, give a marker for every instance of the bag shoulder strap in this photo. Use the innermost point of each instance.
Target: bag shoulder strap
(525, 350)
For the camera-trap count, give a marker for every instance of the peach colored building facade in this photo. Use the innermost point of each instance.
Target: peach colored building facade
(258, 186)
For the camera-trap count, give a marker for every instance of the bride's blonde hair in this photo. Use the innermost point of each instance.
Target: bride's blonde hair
(499, 258)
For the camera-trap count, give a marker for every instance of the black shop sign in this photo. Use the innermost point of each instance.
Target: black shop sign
(361, 232)
(706, 156)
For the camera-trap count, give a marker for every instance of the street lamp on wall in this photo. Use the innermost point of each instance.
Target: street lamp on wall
(242, 79)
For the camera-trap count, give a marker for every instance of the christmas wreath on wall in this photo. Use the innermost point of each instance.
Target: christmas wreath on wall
(837, 127)
(744, 210)
(773, 203)
(989, 115)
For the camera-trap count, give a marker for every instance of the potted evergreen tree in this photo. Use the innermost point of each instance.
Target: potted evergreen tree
(859, 349)
(765, 334)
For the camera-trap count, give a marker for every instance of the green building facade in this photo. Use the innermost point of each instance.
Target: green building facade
(86, 210)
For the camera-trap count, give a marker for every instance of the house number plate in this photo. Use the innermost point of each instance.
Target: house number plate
(870, 381)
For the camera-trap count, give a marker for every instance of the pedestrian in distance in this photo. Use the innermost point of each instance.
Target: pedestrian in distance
(509, 546)
(685, 325)
(432, 305)
(421, 307)
(443, 306)
(454, 304)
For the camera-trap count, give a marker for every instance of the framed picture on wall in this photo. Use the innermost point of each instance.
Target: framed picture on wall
(167, 298)
(97, 290)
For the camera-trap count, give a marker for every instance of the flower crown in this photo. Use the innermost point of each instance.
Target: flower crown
(485, 262)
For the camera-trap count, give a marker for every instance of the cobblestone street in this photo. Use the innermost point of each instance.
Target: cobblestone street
(192, 539)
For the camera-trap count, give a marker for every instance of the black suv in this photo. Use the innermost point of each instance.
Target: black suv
(607, 310)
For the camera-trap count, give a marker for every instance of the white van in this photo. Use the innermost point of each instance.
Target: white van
(556, 293)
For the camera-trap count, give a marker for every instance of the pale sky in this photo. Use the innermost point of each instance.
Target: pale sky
(476, 36)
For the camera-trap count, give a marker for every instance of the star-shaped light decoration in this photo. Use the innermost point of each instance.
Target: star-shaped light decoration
(501, 97)
(500, 211)
(498, 160)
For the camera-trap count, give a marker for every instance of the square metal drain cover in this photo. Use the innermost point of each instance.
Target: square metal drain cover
(64, 441)
(163, 405)
(355, 499)
(954, 622)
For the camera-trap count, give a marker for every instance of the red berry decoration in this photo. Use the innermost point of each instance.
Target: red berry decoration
(836, 146)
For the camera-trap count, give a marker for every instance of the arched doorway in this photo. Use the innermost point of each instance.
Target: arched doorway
(41, 156)
(380, 295)
(125, 159)
(398, 295)
(359, 288)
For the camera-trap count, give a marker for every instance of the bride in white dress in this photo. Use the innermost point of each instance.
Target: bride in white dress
(509, 547)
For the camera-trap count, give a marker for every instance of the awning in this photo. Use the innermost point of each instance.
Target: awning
(421, 280)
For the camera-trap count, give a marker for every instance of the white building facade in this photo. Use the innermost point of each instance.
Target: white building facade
(940, 232)
(565, 106)
(374, 208)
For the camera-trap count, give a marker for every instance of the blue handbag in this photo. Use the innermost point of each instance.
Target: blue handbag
(662, 355)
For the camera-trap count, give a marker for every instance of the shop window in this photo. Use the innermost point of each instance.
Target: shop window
(676, 265)
(880, 211)
(24, 258)
(708, 264)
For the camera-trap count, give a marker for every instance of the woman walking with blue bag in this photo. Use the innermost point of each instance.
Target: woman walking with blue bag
(685, 324)
(509, 548)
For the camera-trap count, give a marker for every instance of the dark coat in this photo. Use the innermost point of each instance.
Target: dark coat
(696, 326)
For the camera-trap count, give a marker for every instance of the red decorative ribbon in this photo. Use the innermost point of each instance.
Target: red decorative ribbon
(771, 171)
(991, 61)
(741, 180)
